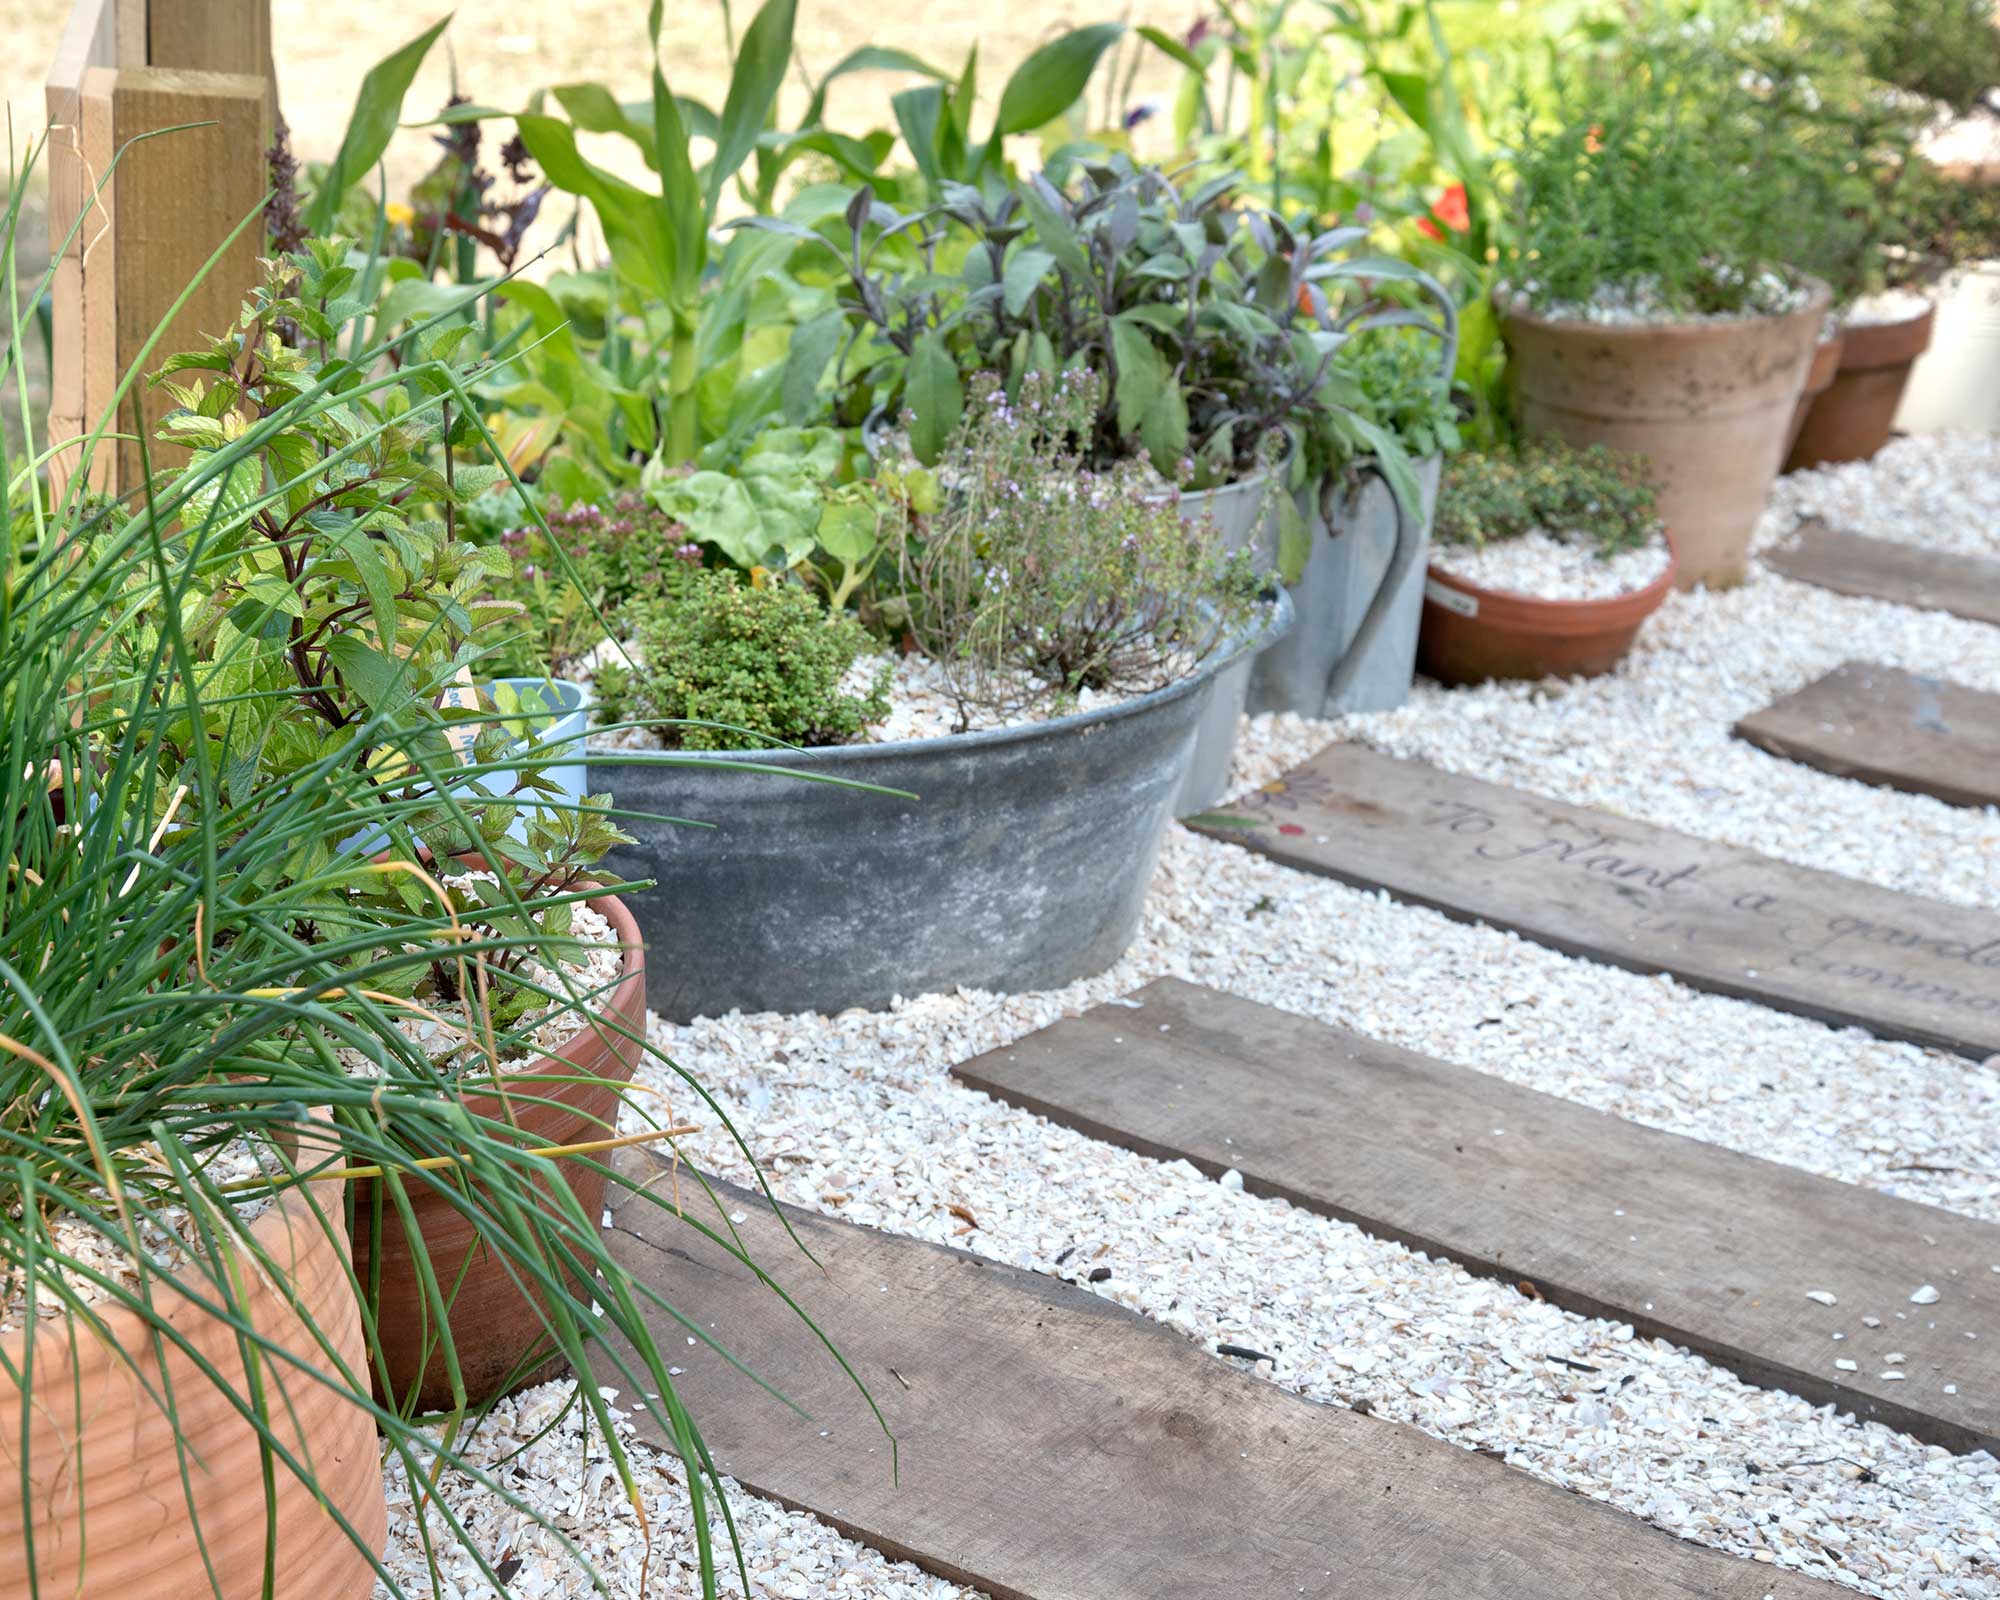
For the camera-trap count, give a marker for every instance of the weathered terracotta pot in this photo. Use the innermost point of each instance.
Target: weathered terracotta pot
(1707, 403)
(1854, 417)
(570, 1097)
(1470, 634)
(107, 1507)
(1819, 377)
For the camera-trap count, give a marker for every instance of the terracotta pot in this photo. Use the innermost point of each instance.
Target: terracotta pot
(1819, 377)
(1853, 418)
(109, 1514)
(496, 1331)
(1707, 403)
(1470, 634)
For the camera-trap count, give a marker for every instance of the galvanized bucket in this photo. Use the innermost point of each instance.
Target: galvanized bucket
(1243, 516)
(1364, 559)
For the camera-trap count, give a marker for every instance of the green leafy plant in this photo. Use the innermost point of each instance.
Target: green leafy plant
(659, 241)
(189, 969)
(1656, 177)
(1215, 326)
(620, 552)
(934, 118)
(1035, 576)
(1404, 391)
(728, 665)
(1595, 497)
(1947, 51)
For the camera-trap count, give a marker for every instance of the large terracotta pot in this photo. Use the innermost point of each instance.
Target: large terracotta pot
(1707, 403)
(1853, 418)
(1472, 634)
(1819, 378)
(107, 1507)
(570, 1097)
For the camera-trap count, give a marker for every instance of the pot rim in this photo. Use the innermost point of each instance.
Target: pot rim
(289, 1214)
(590, 1051)
(1275, 624)
(1568, 616)
(1819, 298)
(1898, 342)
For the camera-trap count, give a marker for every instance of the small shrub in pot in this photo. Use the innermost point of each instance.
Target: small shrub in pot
(1546, 562)
(1644, 307)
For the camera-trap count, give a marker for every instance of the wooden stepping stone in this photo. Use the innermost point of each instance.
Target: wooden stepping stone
(1882, 569)
(1726, 1254)
(1891, 728)
(1611, 889)
(1054, 1446)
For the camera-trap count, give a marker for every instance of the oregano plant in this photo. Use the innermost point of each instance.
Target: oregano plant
(322, 586)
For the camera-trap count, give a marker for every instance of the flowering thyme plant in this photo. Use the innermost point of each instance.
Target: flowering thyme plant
(1031, 576)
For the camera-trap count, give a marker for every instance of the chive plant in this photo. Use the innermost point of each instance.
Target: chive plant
(188, 971)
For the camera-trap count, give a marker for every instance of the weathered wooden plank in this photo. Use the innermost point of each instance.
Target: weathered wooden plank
(1592, 884)
(1896, 729)
(1684, 1240)
(1882, 569)
(1056, 1447)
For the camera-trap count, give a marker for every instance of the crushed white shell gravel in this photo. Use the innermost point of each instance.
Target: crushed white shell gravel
(856, 1116)
(1941, 490)
(568, 1476)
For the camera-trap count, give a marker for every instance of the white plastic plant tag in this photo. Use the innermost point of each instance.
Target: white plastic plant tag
(1466, 605)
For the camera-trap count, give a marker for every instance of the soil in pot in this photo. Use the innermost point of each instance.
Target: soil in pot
(1819, 377)
(107, 1506)
(1854, 417)
(1475, 631)
(1708, 403)
(568, 1096)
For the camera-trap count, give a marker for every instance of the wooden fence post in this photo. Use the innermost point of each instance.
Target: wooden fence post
(128, 68)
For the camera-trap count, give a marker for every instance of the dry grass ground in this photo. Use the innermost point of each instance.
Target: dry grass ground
(505, 48)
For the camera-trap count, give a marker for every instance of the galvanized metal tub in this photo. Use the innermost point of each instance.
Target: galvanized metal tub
(1021, 863)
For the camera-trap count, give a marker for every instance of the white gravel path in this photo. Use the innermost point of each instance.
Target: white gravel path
(855, 1115)
(570, 1478)
(1938, 489)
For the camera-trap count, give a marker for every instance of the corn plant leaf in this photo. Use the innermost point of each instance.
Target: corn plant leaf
(934, 396)
(629, 215)
(869, 58)
(761, 62)
(683, 219)
(1052, 80)
(377, 109)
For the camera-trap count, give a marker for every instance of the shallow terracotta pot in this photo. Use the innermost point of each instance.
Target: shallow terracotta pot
(1854, 417)
(1707, 403)
(1471, 635)
(108, 1511)
(1819, 377)
(497, 1333)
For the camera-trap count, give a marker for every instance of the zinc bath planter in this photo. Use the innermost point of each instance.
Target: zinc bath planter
(1022, 861)
(1473, 634)
(106, 1500)
(1709, 404)
(1243, 517)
